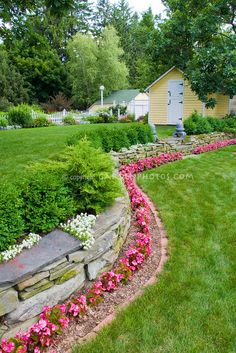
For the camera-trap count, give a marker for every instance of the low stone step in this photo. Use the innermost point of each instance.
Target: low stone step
(53, 247)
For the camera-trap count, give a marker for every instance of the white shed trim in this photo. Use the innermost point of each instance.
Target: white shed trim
(172, 68)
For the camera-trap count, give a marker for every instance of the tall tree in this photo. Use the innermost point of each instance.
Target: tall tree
(199, 37)
(94, 62)
(82, 66)
(39, 64)
(144, 68)
(102, 16)
(12, 85)
(112, 72)
(123, 19)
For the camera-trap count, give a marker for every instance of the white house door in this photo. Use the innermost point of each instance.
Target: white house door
(175, 100)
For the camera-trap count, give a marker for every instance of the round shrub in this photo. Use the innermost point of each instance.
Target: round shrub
(190, 127)
(197, 124)
(69, 120)
(11, 222)
(216, 124)
(90, 177)
(41, 121)
(230, 121)
(21, 115)
(47, 200)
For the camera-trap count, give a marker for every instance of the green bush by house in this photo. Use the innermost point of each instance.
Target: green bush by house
(197, 124)
(115, 136)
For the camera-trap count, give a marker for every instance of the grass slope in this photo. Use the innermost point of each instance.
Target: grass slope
(192, 307)
(21, 147)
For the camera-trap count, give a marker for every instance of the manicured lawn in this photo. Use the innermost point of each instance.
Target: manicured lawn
(21, 147)
(165, 131)
(192, 307)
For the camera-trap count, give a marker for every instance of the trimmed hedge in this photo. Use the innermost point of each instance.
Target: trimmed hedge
(113, 136)
(197, 124)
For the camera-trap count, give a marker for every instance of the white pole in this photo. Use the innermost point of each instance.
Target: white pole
(102, 90)
(102, 99)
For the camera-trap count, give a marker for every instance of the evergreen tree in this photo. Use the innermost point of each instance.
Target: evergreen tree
(102, 16)
(12, 85)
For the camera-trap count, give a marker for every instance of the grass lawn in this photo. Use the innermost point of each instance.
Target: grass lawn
(21, 147)
(165, 131)
(192, 307)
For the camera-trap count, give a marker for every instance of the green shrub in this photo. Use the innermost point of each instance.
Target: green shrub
(11, 222)
(47, 200)
(190, 127)
(3, 120)
(94, 119)
(230, 121)
(129, 118)
(89, 173)
(36, 108)
(5, 105)
(69, 120)
(103, 116)
(230, 130)
(197, 124)
(203, 127)
(216, 124)
(113, 136)
(21, 115)
(41, 121)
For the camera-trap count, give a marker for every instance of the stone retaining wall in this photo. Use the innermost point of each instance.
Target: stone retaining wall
(25, 291)
(167, 145)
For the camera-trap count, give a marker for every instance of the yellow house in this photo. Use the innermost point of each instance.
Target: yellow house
(171, 99)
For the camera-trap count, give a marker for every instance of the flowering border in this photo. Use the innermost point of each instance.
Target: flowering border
(214, 146)
(14, 250)
(54, 320)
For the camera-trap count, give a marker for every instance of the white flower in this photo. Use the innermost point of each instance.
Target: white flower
(14, 250)
(81, 228)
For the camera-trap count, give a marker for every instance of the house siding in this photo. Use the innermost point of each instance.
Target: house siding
(158, 95)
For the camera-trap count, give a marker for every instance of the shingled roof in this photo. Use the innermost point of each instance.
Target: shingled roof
(120, 96)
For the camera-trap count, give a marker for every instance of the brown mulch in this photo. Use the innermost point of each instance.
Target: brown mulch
(87, 327)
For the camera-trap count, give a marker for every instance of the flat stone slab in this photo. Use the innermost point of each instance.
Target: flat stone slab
(51, 248)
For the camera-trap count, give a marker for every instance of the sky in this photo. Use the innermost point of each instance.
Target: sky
(142, 5)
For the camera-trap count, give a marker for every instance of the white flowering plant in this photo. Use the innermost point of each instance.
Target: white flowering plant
(29, 241)
(81, 228)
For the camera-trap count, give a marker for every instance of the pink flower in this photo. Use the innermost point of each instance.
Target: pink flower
(7, 346)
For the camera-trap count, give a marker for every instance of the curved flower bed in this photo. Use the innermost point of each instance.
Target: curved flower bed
(54, 320)
(214, 146)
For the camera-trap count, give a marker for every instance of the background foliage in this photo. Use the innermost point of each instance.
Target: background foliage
(74, 46)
